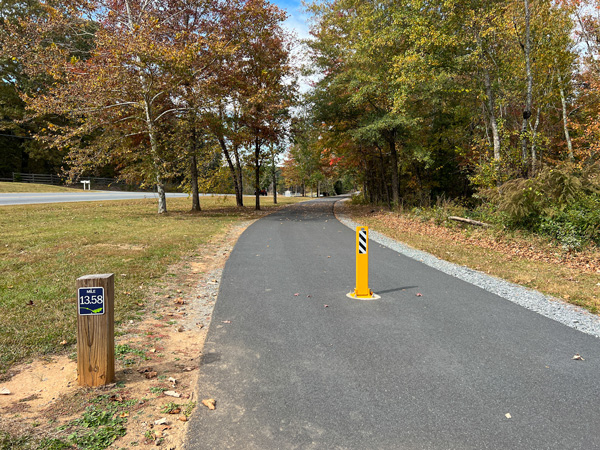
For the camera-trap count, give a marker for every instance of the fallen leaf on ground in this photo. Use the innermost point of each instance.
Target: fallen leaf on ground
(162, 421)
(150, 375)
(296, 294)
(188, 369)
(4, 391)
(183, 418)
(578, 357)
(172, 380)
(179, 291)
(227, 321)
(419, 295)
(123, 415)
(179, 301)
(210, 403)
(116, 397)
(30, 303)
(508, 416)
(172, 394)
(152, 350)
(175, 411)
(63, 342)
(145, 369)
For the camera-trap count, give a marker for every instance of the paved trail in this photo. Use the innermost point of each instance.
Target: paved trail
(439, 371)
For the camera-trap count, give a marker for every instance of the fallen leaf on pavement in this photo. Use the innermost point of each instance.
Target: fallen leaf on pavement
(210, 403)
(296, 294)
(508, 416)
(419, 295)
(578, 357)
(227, 321)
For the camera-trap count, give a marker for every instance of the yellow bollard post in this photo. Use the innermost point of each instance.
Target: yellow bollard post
(362, 290)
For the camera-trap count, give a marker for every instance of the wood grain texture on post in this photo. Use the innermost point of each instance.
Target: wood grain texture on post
(95, 330)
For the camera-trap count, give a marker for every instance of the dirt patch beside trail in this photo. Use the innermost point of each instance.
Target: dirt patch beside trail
(157, 354)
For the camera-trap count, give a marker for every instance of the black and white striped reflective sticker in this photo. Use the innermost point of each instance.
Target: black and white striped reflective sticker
(362, 241)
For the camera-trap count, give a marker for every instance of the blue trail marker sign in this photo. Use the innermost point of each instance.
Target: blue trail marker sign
(91, 301)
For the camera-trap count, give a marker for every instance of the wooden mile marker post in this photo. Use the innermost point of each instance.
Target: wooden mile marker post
(96, 329)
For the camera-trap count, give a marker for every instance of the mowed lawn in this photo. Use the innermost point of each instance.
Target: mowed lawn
(6, 188)
(45, 248)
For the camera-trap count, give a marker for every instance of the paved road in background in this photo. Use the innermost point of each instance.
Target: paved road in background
(60, 197)
(437, 371)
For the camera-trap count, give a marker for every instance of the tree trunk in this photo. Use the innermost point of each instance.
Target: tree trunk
(491, 106)
(491, 103)
(563, 101)
(384, 186)
(274, 175)
(534, 163)
(394, 168)
(162, 199)
(240, 176)
(527, 111)
(194, 182)
(234, 175)
(257, 173)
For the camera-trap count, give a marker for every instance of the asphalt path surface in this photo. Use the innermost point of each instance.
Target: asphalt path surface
(75, 196)
(437, 371)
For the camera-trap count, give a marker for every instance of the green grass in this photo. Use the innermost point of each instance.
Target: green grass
(6, 188)
(45, 248)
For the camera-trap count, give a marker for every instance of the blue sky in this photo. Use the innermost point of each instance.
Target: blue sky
(297, 18)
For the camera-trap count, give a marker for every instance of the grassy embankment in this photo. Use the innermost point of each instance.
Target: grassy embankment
(9, 188)
(522, 258)
(45, 248)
